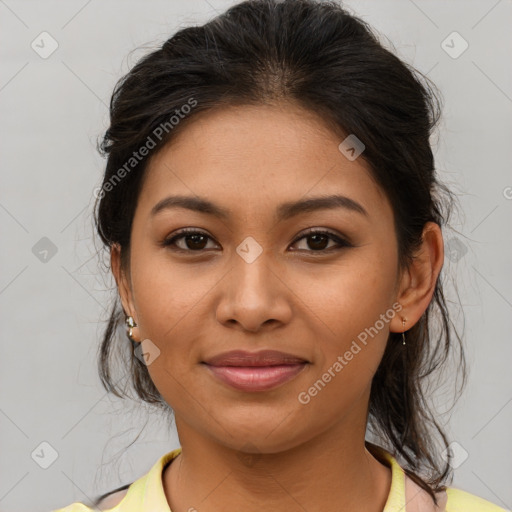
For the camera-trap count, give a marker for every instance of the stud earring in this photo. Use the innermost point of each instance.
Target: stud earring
(403, 332)
(131, 324)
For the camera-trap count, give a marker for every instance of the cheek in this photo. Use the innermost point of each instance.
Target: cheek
(164, 291)
(347, 304)
(352, 295)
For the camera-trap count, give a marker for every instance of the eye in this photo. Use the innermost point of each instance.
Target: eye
(319, 238)
(196, 241)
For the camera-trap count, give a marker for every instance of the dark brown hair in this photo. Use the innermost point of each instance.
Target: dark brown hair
(324, 59)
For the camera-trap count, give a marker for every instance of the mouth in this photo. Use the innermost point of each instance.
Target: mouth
(243, 358)
(255, 371)
(256, 378)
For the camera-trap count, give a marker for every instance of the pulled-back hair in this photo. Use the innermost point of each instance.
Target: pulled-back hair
(326, 60)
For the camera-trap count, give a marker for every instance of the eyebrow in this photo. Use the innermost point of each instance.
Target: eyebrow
(284, 211)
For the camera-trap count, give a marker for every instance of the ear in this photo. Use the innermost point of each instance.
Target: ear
(124, 286)
(418, 281)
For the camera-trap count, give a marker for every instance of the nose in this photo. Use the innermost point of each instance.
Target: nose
(254, 295)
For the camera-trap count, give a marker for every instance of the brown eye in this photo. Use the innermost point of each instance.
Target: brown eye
(317, 241)
(193, 241)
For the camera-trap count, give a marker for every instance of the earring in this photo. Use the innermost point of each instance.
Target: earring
(403, 332)
(131, 324)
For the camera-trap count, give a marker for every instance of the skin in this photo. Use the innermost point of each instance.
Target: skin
(294, 298)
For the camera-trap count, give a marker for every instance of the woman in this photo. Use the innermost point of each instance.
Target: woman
(274, 224)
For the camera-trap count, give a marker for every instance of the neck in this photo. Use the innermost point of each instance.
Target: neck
(333, 472)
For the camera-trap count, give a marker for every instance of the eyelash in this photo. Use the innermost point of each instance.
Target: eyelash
(169, 242)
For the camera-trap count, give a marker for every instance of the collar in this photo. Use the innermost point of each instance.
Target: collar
(396, 496)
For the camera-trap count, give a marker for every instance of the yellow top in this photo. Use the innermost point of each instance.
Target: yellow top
(147, 494)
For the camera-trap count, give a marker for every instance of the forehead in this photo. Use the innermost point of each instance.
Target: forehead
(247, 156)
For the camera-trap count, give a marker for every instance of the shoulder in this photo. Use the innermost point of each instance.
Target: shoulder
(462, 501)
(109, 502)
(151, 482)
(74, 507)
(449, 500)
(112, 500)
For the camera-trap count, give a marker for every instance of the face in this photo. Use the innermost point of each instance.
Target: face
(311, 282)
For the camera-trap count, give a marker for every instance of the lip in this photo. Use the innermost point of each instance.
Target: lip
(260, 358)
(256, 378)
(255, 371)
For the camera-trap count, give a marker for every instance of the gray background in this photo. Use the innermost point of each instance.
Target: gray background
(52, 305)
